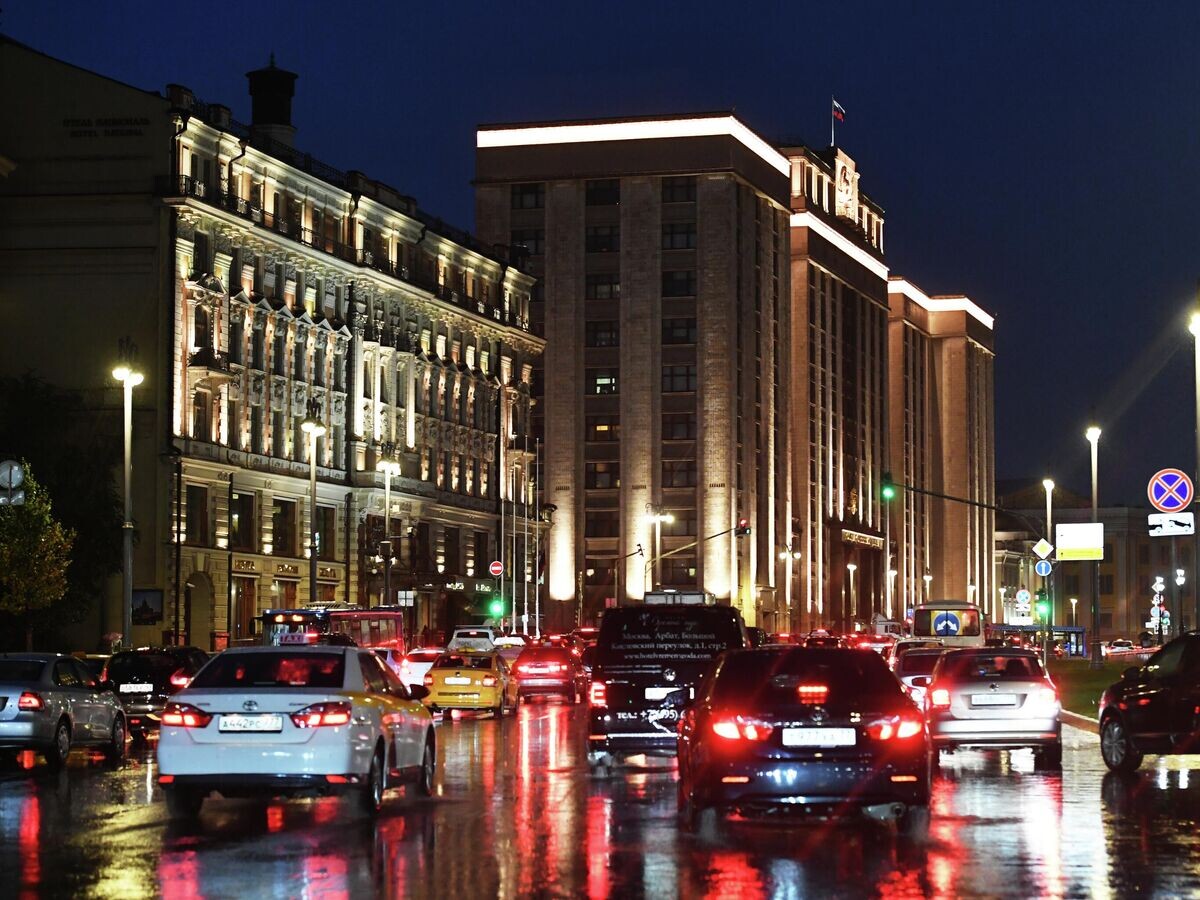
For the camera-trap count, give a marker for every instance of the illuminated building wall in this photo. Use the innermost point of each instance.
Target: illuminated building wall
(662, 249)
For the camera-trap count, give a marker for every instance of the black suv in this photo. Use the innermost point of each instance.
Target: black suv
(1154, 708)
(643, 655)
(145, 678)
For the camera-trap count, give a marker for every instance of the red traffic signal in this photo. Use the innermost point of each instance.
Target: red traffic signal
(743, 527)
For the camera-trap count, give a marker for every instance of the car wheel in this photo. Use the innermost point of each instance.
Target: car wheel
(58, 751)
(1116, 747)
(1050, 757)
(115, 752)
(183, 803)
(371, 797)
(914, 823)
(428, 766)
(500, 708)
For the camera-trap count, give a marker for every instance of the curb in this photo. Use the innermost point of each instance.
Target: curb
(1085, 723)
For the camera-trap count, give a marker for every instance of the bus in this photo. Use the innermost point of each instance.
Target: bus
(377, 627)
(955, 623)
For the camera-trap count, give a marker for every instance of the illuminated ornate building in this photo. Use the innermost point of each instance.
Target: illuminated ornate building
(263, 287)
(662, 248)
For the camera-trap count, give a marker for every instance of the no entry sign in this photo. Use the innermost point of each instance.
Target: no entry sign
(496, 568)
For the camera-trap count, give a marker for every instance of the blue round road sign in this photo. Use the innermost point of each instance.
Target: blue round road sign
(946, 624)
(1043, 568)
(1170, 490)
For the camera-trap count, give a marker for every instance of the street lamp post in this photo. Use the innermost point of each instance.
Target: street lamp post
(928, 580)
(852, 568)
(390, 467)
(1048, 484)
(1093, 437)
(788, 556)
(313, 427)
(129, 380)
(1074, 600)
(1194, 328)
(658, 518)
(891, 598)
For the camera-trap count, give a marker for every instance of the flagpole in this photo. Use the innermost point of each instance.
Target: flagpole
(832, 123)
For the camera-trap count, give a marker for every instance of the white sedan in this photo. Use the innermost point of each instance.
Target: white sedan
(286, 721)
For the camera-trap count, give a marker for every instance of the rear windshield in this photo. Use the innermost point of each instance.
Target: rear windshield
(156, 668)
(822, 642)
(971, 666)
(459, 661)
(671, 635)
(916, 663)
(423, 656)
(772, 678)
(267, 670)
(21, 669)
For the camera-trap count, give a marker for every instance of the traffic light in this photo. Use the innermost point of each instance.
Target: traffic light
(496, 607)
(888, 490)
(1043, 606)
(743, 527)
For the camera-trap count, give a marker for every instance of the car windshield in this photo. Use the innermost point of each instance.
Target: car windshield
(21, 669)
(772, 679)
(156, 668)
(268, 670)
(461, 661)
(917, 663)
(991, 667)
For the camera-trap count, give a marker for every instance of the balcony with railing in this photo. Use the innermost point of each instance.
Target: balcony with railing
(197, 189)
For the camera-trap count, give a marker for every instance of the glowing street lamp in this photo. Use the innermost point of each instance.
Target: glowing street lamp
(658, 519)
(129, 380)
(852, 567)
(314, 428)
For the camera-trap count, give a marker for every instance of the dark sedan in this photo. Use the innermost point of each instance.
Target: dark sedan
(144, 680)
(1154, 708)
(807, 733)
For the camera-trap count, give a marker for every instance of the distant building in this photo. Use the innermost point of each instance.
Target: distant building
(661, 245)
(259, 284)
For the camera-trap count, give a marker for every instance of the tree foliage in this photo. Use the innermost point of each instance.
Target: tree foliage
(35, 552)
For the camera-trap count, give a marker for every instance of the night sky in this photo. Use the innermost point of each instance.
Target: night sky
(1041, 158)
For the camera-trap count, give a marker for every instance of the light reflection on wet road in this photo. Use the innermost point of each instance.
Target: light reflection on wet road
(516, 815)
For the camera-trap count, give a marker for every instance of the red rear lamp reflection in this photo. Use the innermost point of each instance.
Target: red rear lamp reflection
(812, 693)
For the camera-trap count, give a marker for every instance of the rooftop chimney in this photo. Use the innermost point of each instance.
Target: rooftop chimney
(271, 91)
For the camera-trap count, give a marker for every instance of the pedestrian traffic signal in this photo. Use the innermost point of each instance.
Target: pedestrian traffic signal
(743, 527)
(888, 490)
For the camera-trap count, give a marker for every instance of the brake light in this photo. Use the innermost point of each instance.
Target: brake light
(31, 701)
(321, 714)
(184, 715)
(895, 728)
(939, 698)
(562, 667)
(575, 652)
(598, 695)
(180, 679)
(489, 680)
(737, 728)
(428, 680)
(812, 693)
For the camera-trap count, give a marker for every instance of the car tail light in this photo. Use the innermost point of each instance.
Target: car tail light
(180, 679)
(598, 695)
(184, 715)
(428, 680)
(576, 651)
(895, 728)
(939, 698)
(489, 680)
(320, 714)
(738, 729)
(562, 667)
(31, 701)
(812, 693)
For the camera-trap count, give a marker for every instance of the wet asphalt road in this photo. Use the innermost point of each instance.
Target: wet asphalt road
(516, 815)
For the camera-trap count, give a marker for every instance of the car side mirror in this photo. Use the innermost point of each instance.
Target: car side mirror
(922, 681)
(418, 692)
(1131, 673)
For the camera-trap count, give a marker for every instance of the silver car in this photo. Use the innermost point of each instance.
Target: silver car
(993, 698)
(51, 703)
(913, 665)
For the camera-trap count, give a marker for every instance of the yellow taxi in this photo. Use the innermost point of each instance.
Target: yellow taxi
(471, 679)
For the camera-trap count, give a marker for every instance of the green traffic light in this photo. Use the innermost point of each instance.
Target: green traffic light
(889, 491)
(496, 607)
(1043, 609)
